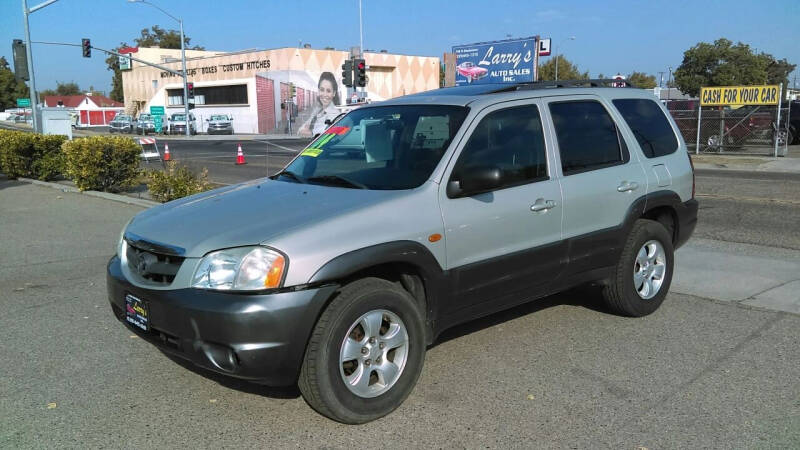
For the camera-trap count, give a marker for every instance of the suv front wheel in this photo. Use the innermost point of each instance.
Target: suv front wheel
(365, 354)
(644, 271)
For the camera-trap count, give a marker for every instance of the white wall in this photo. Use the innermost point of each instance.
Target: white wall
(245, 117)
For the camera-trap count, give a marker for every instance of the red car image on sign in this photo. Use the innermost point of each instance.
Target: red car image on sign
(471, 71)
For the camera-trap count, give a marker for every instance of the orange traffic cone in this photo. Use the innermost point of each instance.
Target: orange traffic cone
(240, 156)
(166, 152)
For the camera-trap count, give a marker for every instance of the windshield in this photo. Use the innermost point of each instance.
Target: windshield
(122, 117)
(219, 117)
(382, 147)
(178, 117)
(145, 117)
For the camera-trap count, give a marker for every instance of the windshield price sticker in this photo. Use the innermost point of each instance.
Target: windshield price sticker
(315, 148)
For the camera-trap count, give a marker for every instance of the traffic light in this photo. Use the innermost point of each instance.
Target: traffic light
(190, 94)
(291, 90)
(347, 73)
(360, 72)
(20, 60)
(86, 46)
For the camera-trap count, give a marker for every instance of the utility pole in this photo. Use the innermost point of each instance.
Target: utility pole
(661, 79)
(29, 54)
(183, 61)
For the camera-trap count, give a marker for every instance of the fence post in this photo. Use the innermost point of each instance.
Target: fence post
(699, 114)
(778, 120)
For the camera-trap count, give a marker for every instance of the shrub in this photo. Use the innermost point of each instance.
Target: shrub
(32, 155)
(103, 163)
(176, 182)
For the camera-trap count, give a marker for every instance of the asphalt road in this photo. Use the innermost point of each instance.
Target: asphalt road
(560, 373)
(749, 207)
(263, 157)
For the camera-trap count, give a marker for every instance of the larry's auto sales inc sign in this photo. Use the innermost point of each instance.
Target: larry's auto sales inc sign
(509, 61)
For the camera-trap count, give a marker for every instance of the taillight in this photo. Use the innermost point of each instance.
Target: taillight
(691, 164)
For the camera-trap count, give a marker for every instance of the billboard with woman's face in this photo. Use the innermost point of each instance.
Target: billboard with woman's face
(324, 107)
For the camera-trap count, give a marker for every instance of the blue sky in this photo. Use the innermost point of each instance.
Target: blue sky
(610, 36)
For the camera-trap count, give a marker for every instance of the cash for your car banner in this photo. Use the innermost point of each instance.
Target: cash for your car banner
(739, 95)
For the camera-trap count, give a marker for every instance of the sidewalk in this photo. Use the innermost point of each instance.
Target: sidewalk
(751, 275)
(731, 161)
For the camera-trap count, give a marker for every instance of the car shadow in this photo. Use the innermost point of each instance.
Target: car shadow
(588, 296)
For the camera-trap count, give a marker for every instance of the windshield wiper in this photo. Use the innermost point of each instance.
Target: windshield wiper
(338, 180)
(290, 174)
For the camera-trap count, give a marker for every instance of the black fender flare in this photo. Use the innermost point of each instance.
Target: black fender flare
(413, 253)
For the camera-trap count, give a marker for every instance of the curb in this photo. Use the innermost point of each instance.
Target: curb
(104, 195)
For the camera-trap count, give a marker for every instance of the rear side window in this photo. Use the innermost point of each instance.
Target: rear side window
(649, 125)
(587, 136)
(510, 139)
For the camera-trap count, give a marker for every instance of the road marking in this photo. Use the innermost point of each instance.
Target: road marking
(748, 199)
(293, 150)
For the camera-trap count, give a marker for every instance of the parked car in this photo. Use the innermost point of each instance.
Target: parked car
(121, 123)
(177, 124)
(471, 71)
(740, 126)
(794, 122)
(145, 124)
(220, 124)
(335, 274)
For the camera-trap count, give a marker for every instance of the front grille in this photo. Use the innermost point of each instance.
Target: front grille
(155, 268)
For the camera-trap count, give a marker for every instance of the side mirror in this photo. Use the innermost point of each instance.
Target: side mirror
(475, 180)
(328, 121)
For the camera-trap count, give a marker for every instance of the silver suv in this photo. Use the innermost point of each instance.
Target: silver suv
(403, 219)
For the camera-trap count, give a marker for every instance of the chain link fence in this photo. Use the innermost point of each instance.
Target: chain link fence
(747, 130)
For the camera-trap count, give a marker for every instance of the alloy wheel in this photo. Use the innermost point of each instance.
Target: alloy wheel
(649, 269)
(373, 353)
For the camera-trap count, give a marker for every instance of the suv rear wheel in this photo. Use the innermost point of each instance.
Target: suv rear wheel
(644, 271)
(365, 354)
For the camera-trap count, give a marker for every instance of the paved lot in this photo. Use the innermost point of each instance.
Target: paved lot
(558, 373)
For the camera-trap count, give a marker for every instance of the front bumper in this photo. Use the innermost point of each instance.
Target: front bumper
(220, 130)
(258, 337)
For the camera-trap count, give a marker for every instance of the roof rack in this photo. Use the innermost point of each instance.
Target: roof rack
(599, 82)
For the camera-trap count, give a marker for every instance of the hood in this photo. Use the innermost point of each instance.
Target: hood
(247, 214)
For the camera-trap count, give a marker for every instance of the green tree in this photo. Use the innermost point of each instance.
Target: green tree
(723, 64)
(642, 80)
(155, 36)
(70, 88)
(566, 70)
(10, 88)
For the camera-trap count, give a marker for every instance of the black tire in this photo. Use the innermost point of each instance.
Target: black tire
(620, 294)
(320, 379)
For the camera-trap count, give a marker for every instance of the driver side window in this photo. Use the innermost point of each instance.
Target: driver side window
(509, 139)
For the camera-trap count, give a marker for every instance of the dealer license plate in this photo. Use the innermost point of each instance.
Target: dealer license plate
(136, 312)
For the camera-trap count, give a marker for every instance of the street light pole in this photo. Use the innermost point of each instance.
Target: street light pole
(571, 38)
(185, 88)
(183, 62)
(29, 55)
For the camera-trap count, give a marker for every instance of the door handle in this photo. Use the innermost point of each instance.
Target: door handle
(626, 186)
(542, 205)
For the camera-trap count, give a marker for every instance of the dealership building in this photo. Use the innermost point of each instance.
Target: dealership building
(252, 87)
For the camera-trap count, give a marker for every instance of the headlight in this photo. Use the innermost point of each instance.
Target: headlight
(122, 235)
(240, 269)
